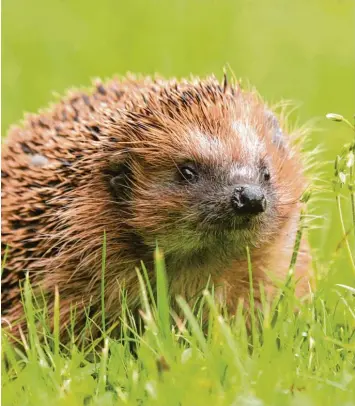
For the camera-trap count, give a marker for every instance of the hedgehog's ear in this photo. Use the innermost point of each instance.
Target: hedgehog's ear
(119, 176)
(278, 137)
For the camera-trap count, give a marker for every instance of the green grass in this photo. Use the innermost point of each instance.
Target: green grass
(284, 358)
(300, 359)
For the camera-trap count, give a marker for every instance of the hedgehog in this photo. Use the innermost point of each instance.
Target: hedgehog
(201, 167)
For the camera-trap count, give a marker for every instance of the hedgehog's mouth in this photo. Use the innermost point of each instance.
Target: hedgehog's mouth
(212, 243)
(243, 224)
(230, 225)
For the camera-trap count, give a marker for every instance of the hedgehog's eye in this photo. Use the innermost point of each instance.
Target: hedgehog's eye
(265, 173)
(188, 173)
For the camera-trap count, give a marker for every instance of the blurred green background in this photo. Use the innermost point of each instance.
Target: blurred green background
(300, 50)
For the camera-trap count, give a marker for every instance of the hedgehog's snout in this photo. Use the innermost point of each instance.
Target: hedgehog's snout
(248, 200)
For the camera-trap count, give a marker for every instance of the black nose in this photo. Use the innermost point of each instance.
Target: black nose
(248, 199)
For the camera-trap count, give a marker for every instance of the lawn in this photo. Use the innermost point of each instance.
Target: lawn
(303, 51)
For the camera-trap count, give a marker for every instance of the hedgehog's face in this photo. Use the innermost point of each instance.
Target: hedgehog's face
(209, 192)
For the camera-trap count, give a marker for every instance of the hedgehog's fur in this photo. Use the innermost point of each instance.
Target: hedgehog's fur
(105, 161)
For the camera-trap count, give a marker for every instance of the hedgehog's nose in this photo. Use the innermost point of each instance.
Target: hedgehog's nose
(248, 199)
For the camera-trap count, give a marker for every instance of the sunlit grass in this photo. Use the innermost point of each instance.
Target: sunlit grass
(303, 358)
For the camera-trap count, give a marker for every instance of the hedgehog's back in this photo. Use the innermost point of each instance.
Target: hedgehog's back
(39, 166)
